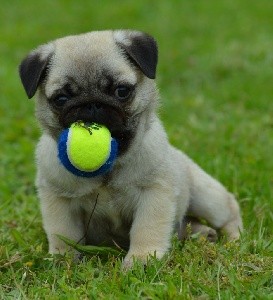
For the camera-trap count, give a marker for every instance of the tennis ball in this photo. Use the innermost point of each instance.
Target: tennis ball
(87, 150)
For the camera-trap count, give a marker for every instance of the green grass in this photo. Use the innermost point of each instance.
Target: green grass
(215, 76)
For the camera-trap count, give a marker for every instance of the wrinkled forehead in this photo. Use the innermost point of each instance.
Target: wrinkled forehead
(87, 59)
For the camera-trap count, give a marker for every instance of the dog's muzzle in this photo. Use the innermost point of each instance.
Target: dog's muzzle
(112, 117)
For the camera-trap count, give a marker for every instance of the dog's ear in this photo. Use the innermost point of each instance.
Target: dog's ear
(141, 48)
(33, 68)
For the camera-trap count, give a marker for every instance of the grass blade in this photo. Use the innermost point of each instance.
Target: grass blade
(91, 250)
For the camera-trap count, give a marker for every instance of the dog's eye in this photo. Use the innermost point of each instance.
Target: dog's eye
(122, 92)
(60, 100)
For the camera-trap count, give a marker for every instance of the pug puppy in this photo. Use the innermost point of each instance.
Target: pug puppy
(108, 77)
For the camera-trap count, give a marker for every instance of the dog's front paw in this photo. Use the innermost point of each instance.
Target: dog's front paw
(63, 249)
(140, 258)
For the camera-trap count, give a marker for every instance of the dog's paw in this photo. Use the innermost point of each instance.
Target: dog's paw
(195, 227)
(212, 235)
(66, 252)
(232, 230)
(135, 258)
(127, 264)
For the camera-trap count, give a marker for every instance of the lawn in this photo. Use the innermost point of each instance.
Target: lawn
(215, 76)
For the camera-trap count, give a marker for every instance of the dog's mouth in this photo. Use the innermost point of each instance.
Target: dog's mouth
(112, 117)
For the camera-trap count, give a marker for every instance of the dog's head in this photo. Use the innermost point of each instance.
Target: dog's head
(104, 77)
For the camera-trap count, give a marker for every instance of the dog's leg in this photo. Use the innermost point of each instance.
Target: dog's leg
(59, 218)
(211, 201)
(152, 226)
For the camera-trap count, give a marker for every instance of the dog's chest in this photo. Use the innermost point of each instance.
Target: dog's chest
(108, 218)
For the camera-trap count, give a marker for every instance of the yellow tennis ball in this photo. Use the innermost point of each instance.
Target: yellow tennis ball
(87, 149)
